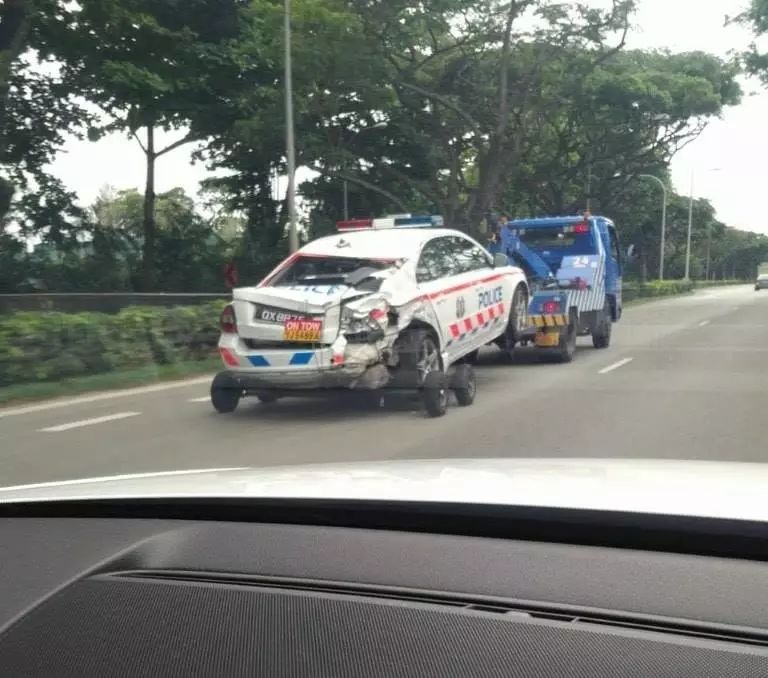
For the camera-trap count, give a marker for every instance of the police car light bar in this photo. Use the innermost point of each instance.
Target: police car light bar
(393, 221)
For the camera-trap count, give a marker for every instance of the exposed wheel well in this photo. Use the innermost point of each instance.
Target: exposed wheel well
(421, 325)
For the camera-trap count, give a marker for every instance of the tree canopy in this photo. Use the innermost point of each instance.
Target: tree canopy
(469, 109)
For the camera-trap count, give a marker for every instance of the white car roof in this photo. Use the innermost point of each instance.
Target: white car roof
(394, 243)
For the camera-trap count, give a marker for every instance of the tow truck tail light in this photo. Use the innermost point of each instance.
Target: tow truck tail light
(581, 228)
(228, 321)
(550, 307)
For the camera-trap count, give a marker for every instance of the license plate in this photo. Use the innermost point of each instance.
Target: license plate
(302, 329)
(547, 339)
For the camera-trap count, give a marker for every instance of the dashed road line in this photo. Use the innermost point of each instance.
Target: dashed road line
(615, 365)
(703, 323)
(89, 422)
(204, 399)
(109, 395)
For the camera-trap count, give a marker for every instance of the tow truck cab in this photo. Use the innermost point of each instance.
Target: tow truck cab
(574, 270)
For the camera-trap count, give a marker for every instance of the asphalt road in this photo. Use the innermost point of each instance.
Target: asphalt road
(685, 378)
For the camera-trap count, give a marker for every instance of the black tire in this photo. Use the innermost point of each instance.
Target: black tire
(471, 358)
(266, 397)
(434, 394)
(518, 313)
(566, 349)
(225, 393)
(418, 354)
(464, 385)
(601, 335)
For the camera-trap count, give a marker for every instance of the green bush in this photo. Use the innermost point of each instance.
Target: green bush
(47, 346)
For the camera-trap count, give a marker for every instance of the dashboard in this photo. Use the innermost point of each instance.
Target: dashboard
(87, 590)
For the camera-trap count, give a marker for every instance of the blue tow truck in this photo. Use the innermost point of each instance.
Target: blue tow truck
(574, 269)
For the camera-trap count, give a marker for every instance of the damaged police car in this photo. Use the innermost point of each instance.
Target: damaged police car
(392, 303)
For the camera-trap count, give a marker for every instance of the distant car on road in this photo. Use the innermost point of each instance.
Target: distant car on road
(761, 282)
(388, 302)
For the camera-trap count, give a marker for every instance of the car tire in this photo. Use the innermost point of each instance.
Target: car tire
(419, 355)
(471, 358)
(464, 385)
(518, 313)
(601, 335)
(435, 394)
(225, 393)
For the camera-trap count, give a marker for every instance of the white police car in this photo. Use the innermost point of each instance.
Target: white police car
(389, 303)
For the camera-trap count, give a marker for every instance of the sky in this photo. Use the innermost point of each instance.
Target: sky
(728, 161)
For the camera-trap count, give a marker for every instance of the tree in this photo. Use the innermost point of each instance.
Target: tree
(149, 65)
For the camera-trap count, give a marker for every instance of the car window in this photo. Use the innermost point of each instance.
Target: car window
(437, 260)
(469, 255)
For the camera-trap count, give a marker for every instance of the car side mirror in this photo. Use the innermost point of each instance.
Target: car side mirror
(500, 259)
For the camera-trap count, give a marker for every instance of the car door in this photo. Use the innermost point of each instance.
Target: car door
(436, 271)
(482, 288)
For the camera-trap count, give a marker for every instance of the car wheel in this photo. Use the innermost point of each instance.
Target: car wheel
(518, 320)
(435, 394)
(601, 336)
(225, 393)
(464, 385)
(471, 358)
(418, 355)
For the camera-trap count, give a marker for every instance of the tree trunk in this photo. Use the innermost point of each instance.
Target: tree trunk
(14, 25)
(148, 273)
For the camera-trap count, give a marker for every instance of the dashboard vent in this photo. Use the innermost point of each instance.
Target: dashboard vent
(517, 609)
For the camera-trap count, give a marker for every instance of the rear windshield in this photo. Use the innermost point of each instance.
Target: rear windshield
(321, 270)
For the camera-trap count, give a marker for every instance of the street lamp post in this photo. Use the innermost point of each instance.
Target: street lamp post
(690, 227)
(663, 221)
(290, 144)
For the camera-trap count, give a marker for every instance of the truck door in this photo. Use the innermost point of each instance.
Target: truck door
(613, 269)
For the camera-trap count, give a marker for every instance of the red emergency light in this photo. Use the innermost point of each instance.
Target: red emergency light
(354, 224)
(581, 228)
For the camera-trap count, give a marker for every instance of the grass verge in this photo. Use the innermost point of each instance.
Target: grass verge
(106, 381)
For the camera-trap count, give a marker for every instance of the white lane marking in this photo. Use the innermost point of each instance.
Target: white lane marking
(703, 322)
(615, 366)
(128, 476)
(140, 390)
(89, 422)
(204, 399)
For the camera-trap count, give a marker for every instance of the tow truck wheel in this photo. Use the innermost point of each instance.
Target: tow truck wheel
(464, 385)
(567, 346)
(225, 393)
(435, 394)
(601, 335)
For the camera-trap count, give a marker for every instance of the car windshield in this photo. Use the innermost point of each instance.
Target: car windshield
(241, 234)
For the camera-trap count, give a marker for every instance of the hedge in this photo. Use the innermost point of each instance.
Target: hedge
(48, 346)
(665, 288)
